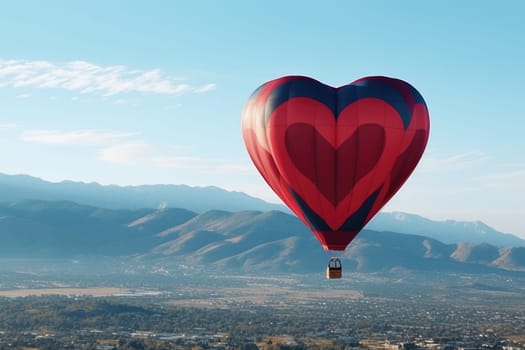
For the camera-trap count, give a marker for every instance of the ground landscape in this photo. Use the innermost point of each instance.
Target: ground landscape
(79, 276)
(144, 307)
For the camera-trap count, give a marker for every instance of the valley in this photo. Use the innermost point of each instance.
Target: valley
(188, 308)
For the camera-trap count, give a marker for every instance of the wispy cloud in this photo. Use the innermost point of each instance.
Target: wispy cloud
(235, 168)
(177, 161)
(514, 179)
(131, 153)
(143, 154)
(139, 153)
(24, 96)
(126, 148)
(5, 126)
(205, 88)
(455, 162)
(75, 137)
(85, 77)
(121, 101)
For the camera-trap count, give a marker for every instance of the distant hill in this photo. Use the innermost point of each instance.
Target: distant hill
(15, 188)
(198, 199)
(33, 228)
(448, 231)
(246, 241)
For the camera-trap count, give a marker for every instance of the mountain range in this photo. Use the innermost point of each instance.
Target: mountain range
(19, 187)
(15, 188)
(246, 240)
(447, 231)
(211, 226)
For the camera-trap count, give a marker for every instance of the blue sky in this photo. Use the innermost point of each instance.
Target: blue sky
(129, 92)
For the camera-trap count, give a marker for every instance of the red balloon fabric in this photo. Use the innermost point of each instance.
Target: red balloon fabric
(335, 156)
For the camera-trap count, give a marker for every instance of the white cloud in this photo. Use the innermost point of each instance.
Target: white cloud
(517, 174)
(7, 126)
(132, 153)
(76, 137)
(142, 154)
(121, 101)
(205, 88)
(512, 179)
(24, 96)
(171, 107)
(235, 168)
(461, 161)
(172, 161)
(85, 77)
(121, 147)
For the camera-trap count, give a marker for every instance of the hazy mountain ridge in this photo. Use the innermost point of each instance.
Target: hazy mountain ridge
(247, 240)
(49, 229)
(14, 188)
(198, 199)
(447, 231)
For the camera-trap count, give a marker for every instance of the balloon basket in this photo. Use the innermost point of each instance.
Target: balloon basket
(334, 270)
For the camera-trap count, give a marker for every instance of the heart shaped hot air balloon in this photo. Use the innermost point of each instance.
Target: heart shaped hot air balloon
(335, 156)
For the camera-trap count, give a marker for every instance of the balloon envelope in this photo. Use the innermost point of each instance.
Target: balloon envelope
(335, 156)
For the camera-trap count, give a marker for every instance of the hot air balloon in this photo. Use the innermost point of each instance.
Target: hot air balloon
(335, 156)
